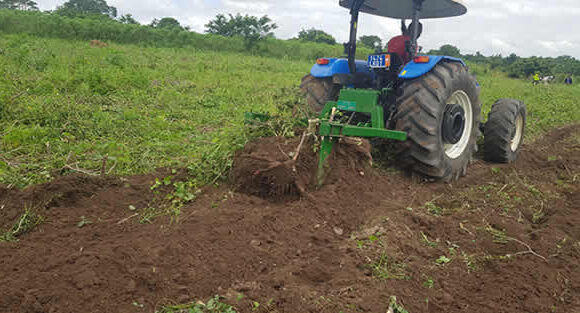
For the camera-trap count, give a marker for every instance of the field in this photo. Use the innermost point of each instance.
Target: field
(115, 164)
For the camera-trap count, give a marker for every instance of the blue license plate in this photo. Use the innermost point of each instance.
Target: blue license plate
(379, 61)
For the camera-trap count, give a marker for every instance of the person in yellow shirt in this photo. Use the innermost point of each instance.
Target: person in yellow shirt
(536, 79)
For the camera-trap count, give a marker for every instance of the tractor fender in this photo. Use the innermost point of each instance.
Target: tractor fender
(337, 66)
(413, 70)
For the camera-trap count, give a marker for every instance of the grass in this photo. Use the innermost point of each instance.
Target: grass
(214, 305)
(547, 106)
(67, 107)
(386, 268)
(25, 223)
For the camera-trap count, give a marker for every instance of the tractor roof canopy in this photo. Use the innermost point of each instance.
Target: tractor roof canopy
(403, 9)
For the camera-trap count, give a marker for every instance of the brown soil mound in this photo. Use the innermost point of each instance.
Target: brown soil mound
(280, 169)
(504, 239)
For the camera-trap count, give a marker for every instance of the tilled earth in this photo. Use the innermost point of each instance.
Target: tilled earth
(506, 238)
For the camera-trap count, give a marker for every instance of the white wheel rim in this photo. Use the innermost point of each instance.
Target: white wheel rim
(515, 144)
(453, 151)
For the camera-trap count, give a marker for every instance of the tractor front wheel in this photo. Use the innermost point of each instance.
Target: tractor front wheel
(319, 91)
(504, 131)
(440, 112)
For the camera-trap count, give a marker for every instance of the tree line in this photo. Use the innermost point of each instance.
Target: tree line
(516, 66)
(96, 19)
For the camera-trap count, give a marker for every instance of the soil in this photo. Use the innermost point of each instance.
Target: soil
(264, 169)
(509, 234)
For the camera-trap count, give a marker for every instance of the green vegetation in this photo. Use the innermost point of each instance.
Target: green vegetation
(386, 268)
(433, 208)
(99, 27)
(251, 28)
(66, 106)
(371, 42)
(19, 5)
(442, 260)
(126, 109)
(76, 7)
(548, 106)
(315, 35)
(429, 282)
(395, 307)
(25, 223)
(166, 22)
(212, 306)
(518, 67)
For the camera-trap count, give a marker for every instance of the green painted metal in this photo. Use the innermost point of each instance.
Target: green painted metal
(359, 101)
(364, 101)
(346, 105)
(343, 130)
(325, 150)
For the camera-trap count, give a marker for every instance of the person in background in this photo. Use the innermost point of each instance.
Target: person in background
(398, 44)
(568, 80)
(536, 78)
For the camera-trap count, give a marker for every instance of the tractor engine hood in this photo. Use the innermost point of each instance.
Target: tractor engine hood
(403, 9)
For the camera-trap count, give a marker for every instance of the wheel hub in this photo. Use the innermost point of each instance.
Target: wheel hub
(453, 123)
(457, 124)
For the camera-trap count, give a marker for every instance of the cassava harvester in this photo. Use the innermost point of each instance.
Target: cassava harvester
(430, 105)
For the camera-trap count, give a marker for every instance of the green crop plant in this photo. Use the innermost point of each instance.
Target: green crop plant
(428, 242)
(470, 262)
(214, 305)
(84, 222)
(442, 260)
(433, 208)
(395, 307)
(25, 223)
(498, 235)
(386, 268)
(429, 282)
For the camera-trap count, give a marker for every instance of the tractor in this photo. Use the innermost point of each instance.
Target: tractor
(429, 106)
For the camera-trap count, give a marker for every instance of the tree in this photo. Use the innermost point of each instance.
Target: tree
(450, 50)
(447, 50)
(315, 35)
(511, 59)
(80, 7)
(371, 42)
(251, 28)
(166, 22)
(25, 5)
(128, 19)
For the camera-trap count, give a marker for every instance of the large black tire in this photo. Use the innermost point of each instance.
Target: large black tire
(421, 111)
(319, 91)
(504, 131)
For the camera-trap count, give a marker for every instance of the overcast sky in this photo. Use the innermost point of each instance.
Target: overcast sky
(524, 27)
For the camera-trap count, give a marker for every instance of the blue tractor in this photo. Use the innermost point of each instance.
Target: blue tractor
(428, 104)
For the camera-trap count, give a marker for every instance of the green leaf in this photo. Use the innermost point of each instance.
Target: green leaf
(442, 260)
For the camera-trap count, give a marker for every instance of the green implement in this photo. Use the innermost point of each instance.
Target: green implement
(357, 113)
(336, 121)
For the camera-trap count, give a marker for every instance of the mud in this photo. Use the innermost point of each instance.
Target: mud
(510, 232)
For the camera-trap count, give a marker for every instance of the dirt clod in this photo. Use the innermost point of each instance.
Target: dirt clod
(266, 169)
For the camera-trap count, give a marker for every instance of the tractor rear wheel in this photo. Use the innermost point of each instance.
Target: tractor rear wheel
(504, 131)
(319, 91)
(440, 112)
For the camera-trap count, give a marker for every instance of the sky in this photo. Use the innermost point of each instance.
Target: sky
(524, 27)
